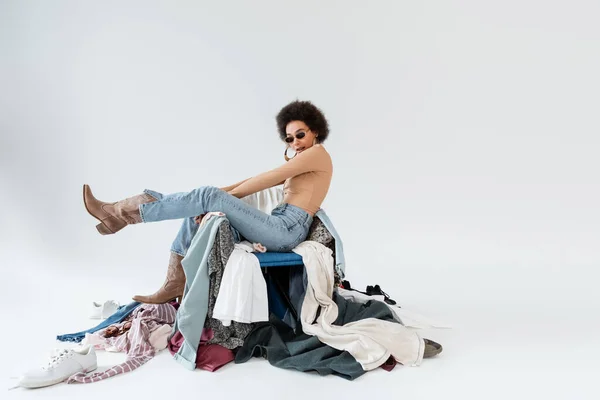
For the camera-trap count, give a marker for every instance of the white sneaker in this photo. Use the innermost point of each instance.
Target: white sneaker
(103, 311)
(61, 366)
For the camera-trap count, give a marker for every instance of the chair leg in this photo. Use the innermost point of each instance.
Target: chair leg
(286, 298)
(277, 292)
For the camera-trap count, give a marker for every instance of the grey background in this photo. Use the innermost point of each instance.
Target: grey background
(464, 136)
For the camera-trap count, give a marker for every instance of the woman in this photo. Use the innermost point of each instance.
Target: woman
(306, 178)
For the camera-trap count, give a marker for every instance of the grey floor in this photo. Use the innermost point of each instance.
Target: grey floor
(513, 336)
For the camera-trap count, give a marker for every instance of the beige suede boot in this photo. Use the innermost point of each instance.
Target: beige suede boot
(173, 286)
(114, 216)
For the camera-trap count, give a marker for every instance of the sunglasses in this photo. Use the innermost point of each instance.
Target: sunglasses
(299, 135)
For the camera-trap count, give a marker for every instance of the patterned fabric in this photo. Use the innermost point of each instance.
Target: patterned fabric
(319, 233)
(232, 336)
(145, 319)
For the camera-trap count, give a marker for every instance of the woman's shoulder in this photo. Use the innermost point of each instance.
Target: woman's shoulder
(316, 155)
(320, 148)
(323, 155)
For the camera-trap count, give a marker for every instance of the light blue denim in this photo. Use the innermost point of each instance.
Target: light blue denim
(282, 230)
(118, 316)
(191, 314)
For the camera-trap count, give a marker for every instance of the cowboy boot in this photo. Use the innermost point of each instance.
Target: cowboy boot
(173, 286)
(114, 216)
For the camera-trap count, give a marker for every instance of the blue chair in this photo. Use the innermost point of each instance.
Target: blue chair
(274, 259)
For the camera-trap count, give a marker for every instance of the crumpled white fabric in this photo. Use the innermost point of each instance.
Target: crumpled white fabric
(370, 341)
(242, 294)
(265, 200)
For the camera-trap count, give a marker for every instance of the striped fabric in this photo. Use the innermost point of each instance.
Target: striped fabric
(145, 319)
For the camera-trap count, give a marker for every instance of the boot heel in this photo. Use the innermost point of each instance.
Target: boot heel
(103, 229)
(110, 225)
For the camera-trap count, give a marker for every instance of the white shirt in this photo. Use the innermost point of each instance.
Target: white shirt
(243, 292)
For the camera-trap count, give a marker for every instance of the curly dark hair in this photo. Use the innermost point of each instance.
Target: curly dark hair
(306, 112)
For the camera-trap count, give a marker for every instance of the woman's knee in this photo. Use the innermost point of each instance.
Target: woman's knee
(205, 190)
(204, 194)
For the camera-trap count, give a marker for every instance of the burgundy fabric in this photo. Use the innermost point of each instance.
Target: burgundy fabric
(210, 357)
(175, 304)
(389, 364)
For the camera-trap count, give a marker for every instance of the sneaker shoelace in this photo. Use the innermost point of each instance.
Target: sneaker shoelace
(57, 358)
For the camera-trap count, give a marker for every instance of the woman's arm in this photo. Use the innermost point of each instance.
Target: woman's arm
(231, 187)
(235, 185)
(313, 159)
(227, 189)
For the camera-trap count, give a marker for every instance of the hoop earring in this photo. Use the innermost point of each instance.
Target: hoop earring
(286, 156)
(315, 140)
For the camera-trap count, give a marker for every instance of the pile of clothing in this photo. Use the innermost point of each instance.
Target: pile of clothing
(225, 316)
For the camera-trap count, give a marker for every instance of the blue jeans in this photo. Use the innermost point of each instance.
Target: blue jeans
(282, 230)
(118, 316)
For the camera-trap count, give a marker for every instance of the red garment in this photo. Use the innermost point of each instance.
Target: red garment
(389, 364)
(210, 357)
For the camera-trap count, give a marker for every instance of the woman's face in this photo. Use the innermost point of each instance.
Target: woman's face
(298, 136)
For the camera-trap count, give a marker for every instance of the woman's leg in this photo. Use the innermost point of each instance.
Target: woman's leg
(174, 283)
(277, 231)
(184, 237)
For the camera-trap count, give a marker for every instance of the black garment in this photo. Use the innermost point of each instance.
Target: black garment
(283, 348)
(371, 291)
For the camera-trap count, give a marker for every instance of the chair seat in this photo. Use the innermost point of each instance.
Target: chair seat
(275, 259)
